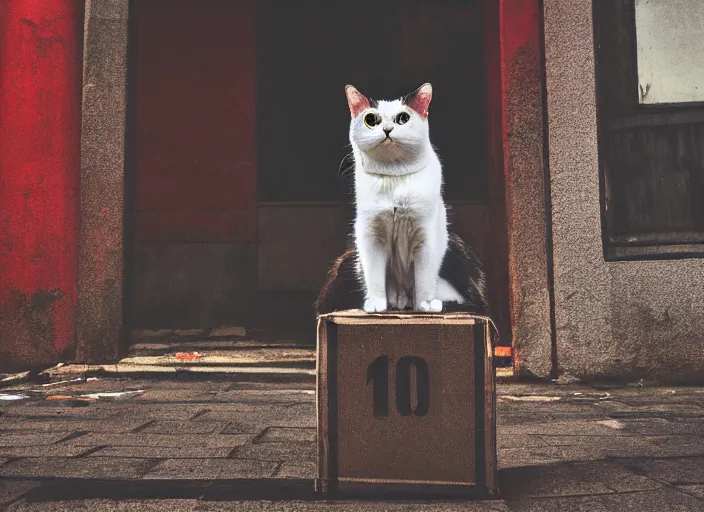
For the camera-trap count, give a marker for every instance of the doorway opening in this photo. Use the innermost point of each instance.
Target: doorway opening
(306, 54)
(238, 126)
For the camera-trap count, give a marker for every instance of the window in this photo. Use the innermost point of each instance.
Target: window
(651, 127)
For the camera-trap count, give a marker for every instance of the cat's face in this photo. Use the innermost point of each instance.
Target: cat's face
(390, 131)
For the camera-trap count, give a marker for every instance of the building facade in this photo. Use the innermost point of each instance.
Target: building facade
(161, 168)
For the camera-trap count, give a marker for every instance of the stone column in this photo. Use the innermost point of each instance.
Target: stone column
(101, 250)
(528, 247)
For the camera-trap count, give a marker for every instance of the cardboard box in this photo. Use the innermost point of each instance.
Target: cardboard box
(406, 404)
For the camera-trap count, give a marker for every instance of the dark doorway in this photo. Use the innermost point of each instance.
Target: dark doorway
(238, 125)
(307, 53)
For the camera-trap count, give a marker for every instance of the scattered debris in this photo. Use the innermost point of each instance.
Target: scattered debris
(92, 379)
(112, 396)
(565, 380)
(585, 397)
(55, 367)
(591, 396)
(66, 401)
(187, 356)
(615, 424)
(8, 397)
(13, 378)
(531, 398)
(642, 383)
(90, 397)
(51, 384)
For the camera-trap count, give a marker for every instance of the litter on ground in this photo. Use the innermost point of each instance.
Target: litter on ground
(111, 396)
(187, 356)
(7, 397)
(531, 398)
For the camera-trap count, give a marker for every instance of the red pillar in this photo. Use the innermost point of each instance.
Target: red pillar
(39, 170)
(526, 207)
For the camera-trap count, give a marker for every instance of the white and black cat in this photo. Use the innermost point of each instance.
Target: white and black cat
(403, 256)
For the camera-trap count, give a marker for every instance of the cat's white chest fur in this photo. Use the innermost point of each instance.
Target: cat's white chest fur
(401, 234)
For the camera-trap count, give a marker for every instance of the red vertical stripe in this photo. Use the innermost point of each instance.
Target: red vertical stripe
(520, 49)
(39, 169)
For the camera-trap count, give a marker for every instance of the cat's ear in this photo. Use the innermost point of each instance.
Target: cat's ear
(357, 101)
(419, 100)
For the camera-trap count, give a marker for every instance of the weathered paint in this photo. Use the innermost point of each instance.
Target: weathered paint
(524, 186)
(39, 160)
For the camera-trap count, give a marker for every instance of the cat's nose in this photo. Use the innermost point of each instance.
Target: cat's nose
(387, 130)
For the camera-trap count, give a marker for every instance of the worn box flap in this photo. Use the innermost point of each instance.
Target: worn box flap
(357, 316)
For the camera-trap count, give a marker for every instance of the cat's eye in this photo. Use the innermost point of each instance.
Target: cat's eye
(402, 118)
(372, 119)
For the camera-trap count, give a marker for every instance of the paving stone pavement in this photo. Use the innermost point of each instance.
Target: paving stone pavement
(199, 445)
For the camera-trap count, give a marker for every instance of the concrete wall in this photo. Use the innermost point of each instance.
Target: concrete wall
(636, 319)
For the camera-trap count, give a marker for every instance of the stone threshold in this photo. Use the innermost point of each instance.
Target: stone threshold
(143, 371)
(258, 374)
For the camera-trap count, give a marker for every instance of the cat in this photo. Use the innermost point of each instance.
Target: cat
(402, 256)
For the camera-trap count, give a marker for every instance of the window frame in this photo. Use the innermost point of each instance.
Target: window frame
(616, 83)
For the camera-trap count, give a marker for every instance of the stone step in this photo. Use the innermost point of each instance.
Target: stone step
(165, 348)
(270, 335)
(241, 356)
(234, 373)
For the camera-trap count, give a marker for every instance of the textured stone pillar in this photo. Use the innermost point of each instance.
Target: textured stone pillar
(101, 253)
(524, 181)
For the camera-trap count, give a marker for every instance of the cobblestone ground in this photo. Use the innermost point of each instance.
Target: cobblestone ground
(210, 446)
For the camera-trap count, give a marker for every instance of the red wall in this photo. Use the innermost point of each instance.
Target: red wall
(39, 170)
(195, 121)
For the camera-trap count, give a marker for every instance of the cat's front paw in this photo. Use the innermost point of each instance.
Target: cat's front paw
(432, 306)
(375, 305)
